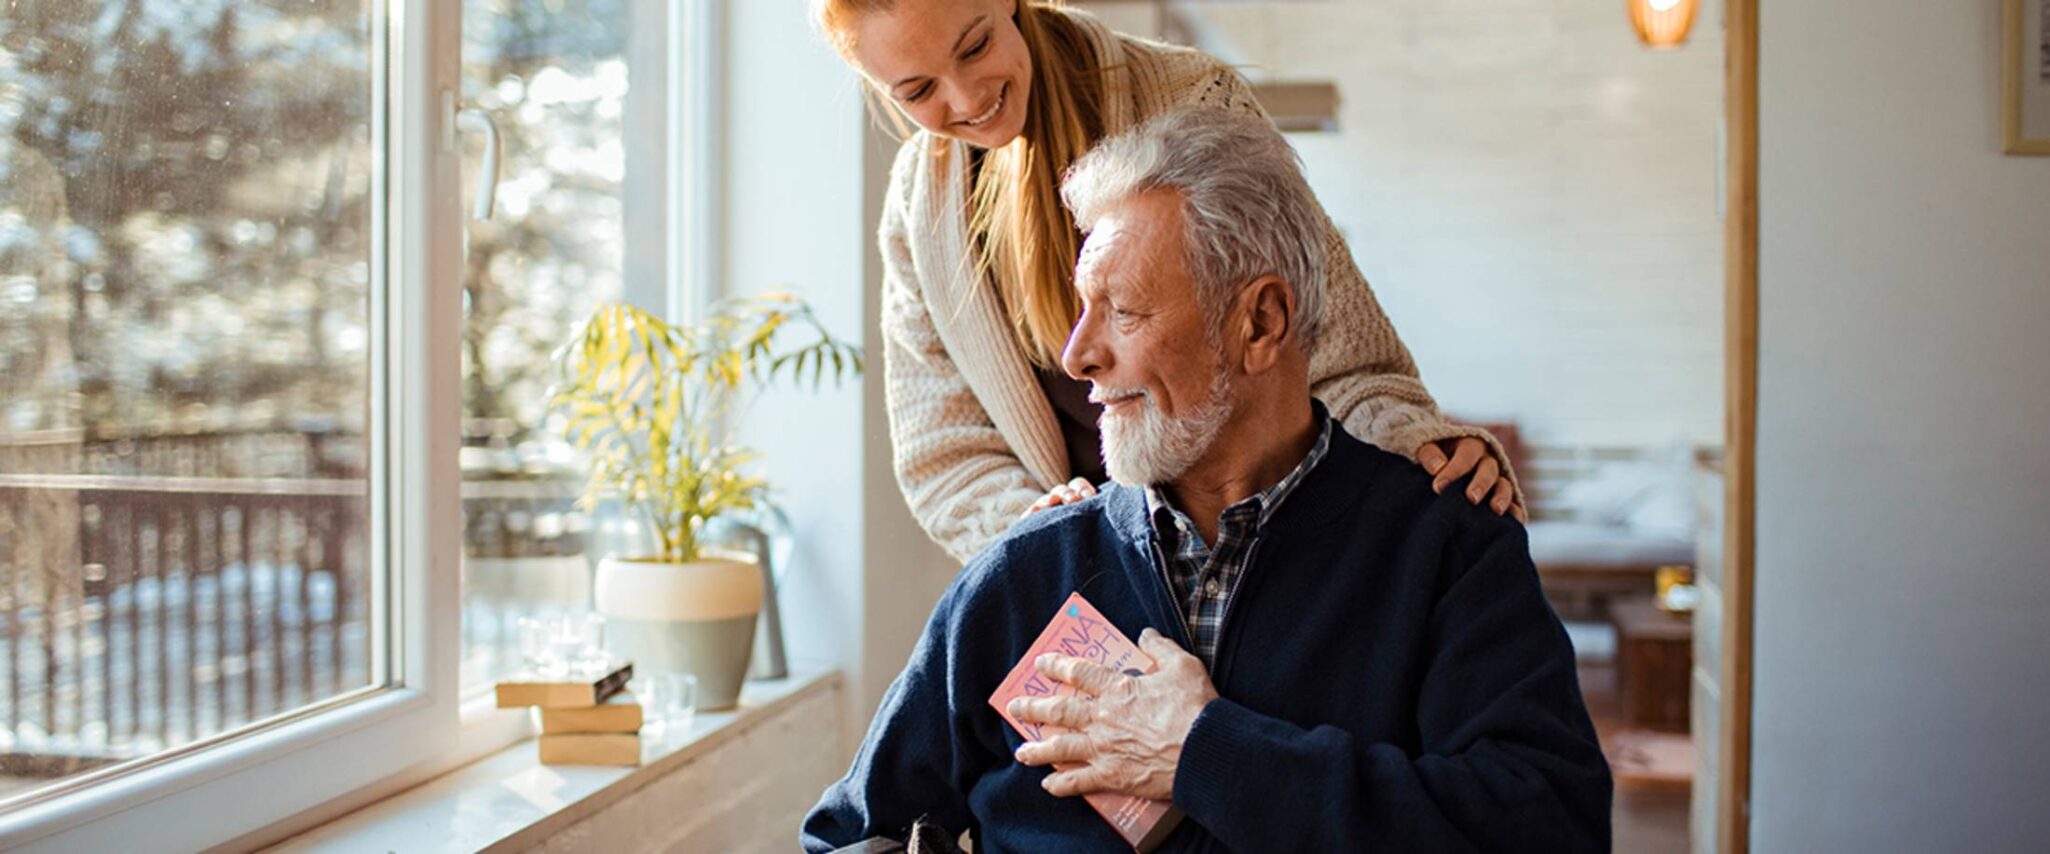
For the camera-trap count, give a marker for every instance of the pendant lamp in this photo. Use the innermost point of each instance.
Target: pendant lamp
(1662, 24)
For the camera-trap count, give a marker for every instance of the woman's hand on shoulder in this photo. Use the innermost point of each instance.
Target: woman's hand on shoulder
(1073, 491)
(1453, 459)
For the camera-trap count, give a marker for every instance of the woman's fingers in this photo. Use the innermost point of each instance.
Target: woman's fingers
(1465, 455)
(1075, 490)
(1485, 476)
(1431, 457)
(1505, 495)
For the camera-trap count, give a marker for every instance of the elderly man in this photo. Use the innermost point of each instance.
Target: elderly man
(1348, 660)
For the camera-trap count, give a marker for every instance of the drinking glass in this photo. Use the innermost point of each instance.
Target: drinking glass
(561, 645)
(669, 701)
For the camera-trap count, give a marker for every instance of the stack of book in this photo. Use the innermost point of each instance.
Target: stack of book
(585, 720)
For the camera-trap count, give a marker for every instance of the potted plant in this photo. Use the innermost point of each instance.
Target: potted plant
(651, 405)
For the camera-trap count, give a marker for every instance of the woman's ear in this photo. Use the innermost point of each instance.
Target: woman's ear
(1269, 326)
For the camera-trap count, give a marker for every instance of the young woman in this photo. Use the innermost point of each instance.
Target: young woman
(978, 257)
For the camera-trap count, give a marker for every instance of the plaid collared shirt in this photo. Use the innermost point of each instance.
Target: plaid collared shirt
(1205, 578)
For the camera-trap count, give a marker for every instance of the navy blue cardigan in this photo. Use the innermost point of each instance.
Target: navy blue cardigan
(1391, 678)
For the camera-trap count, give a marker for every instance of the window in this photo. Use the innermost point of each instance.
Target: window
(222, 225)
(576, 91)
(554, 79)
(256, 408)
(185, 256)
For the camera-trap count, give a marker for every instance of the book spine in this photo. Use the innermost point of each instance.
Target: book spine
(590, 749)
(597, 719)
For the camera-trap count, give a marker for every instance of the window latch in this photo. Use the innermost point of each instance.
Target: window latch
(472, 120)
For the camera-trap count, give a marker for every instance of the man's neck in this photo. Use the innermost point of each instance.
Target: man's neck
(1248, 458)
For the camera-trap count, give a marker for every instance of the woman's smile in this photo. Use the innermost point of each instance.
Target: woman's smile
(993, 111)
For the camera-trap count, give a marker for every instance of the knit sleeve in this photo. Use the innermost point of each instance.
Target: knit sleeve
(959, 475)
(1359, 367)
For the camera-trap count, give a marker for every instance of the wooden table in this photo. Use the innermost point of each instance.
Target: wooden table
(1654, 661)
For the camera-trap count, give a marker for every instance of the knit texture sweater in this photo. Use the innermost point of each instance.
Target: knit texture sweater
(1390, 678)
(976, 440)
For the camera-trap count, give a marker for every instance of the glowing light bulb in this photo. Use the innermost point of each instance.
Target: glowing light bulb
(1662, 24)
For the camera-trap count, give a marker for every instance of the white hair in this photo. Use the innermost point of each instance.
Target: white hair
(1247, 211)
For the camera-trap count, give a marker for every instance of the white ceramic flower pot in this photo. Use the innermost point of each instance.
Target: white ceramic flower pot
(696, 617)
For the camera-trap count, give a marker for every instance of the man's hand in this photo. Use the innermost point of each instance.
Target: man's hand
(1129, 738)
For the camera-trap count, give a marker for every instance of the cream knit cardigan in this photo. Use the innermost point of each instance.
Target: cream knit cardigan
(976, 440)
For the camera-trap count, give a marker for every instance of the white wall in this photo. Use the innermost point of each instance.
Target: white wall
(1903, 564)
(803, 188)
(1532, 193)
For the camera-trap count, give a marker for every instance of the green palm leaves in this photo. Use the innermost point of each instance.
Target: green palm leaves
(650, 403)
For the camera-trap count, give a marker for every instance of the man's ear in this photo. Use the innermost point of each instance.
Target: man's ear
(1268, 325)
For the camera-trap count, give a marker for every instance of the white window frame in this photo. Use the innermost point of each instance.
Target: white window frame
(200, 797)
(672, 150)
(697, 198)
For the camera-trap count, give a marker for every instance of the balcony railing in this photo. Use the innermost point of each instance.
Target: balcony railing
(142, 613)
(139, 613)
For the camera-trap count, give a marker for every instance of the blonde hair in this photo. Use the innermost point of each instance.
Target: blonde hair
(1026, 240)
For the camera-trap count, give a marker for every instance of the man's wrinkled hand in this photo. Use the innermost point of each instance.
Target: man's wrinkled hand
(1128, 739)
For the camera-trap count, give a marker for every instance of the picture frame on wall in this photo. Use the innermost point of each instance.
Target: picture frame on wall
(2025, 62)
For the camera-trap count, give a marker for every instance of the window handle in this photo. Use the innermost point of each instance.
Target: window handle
(473, 120)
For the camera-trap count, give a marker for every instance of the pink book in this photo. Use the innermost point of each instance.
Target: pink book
(1081, 631)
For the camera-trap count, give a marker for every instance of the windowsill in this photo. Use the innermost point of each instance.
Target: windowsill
(510, 801)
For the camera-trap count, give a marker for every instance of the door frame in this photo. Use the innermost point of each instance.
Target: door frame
(1740, 372)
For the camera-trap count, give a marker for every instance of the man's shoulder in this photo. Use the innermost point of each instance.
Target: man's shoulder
(1055, 535)
(1047, 552)
(1393, 487)
(1006, 594)
(1378, 507)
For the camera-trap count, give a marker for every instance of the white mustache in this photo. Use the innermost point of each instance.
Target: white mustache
(1100, 395)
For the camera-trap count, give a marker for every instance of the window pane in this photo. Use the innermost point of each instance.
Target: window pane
(184, 372)
(554, 77)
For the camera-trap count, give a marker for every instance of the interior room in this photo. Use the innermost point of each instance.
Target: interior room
(492, 426)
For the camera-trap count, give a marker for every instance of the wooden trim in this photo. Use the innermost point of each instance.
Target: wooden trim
(1740, 270)
(2012, 60)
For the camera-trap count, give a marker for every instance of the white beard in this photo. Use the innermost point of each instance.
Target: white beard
(1148, 448)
